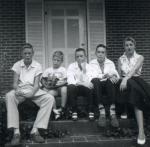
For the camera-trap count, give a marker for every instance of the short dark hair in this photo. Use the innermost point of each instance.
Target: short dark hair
(100, 45)
(59, 54)
(27, 45)
(80, 49)
(129, 38)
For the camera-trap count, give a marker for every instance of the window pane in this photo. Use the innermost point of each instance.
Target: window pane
(72, 33)
(57, 12)
(71, 12)
(58, 39)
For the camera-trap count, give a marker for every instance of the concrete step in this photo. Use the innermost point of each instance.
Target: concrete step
(83, 133)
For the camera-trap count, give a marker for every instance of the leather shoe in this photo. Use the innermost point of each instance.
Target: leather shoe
(102, 121)
(16, 139)
(37, 138)
(114, 121)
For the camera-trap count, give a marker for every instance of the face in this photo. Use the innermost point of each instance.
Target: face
(56, 62)
(80, 57)
(129, 47)
(27, 55)
(101, 54)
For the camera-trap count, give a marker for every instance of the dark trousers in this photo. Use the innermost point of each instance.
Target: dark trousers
(137, 93)
(101, 88)
(75, 91)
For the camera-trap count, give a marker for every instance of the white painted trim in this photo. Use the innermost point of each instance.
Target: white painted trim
(63, 2)
(26, 21)
(88, 31)
(103, 22)
(43, 36)
(104, 16)
(46, 35)
(58, 5)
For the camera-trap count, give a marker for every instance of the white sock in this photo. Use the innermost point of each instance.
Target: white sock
(34, 130)
(16, 131)
(102, 109)
(112, 109)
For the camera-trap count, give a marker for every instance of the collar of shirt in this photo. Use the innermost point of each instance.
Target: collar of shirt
(133, 56)
(77, 66)
(127, 66)
(32, 65)
(109, 68)
(95, 61)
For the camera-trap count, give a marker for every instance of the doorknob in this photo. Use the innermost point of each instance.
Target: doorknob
(82, 44)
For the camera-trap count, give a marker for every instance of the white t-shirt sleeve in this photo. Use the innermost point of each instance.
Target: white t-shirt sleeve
(64, 73)
(45, 73)
(38, 70)
(16, 68)
(70, 75)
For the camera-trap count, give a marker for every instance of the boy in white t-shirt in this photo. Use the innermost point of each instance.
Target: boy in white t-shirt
(54, 80)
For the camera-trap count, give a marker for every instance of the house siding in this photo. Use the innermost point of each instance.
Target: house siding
(128, 18)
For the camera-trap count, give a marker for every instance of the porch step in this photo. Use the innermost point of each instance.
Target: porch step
(89, 141)
(83, 133)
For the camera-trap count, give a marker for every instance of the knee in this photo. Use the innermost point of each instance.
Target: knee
(10, 95)
(50, 98)
(71, 86)
(109, 82)
(64, 90)
(95, 80)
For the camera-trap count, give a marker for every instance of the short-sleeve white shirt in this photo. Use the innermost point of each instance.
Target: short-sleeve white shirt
(27, 74)
(60, 72)
(109, 68)
(74, 74)
(127, 66)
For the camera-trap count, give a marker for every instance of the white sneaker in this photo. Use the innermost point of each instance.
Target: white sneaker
(124, 116)
(141, 141)
(74, 116)
(91, 116)
(57, 113)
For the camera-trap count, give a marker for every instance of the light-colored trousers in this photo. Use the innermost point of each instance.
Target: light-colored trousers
(42, 99)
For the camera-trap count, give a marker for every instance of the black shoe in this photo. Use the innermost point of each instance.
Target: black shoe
(37, 138)
(16, 139)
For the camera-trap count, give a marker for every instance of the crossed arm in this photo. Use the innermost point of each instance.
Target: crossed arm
(18, 92)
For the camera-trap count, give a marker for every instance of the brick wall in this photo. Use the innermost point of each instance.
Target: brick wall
(12, 36)
(123, 18)
(129, 18)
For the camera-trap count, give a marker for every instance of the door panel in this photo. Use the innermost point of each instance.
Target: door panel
(65, 29)
(72, 33)
(58, 32)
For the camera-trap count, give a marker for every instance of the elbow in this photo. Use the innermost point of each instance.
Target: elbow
(141, 59)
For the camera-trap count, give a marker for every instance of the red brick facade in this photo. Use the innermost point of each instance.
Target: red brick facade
(129, 18)
(123, 18)
(12, 36)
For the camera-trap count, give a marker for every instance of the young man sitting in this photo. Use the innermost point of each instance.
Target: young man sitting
(26, 86)
(79, 76)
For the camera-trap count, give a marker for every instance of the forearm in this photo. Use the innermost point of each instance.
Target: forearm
(15, 86)
(15, 81)
(44, 83)
(36, 85)
(35, 89)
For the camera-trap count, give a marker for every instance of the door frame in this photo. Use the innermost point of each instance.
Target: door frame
(82, 26)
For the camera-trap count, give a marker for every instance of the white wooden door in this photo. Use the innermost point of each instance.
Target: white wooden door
(65, 29)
